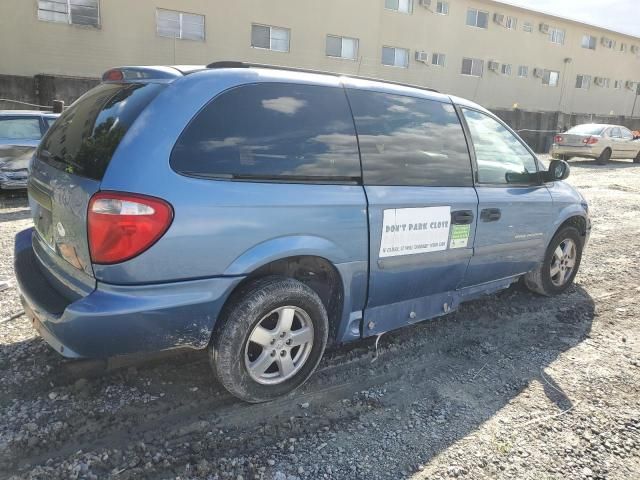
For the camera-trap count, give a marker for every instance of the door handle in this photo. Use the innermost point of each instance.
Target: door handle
(490, 214)
(462, 217)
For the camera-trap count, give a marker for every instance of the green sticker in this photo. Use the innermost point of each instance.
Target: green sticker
(460, 236)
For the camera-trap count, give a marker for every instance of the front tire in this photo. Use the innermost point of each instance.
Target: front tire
(560, 266)
(271, 338)
(637, 159)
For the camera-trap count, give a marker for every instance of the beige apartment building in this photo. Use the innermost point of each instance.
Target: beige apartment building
(488, 51)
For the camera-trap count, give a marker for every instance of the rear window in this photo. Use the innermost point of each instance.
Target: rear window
(272, 131)
(85, 137)
(20, 128)
(586, 130)
(410, 141)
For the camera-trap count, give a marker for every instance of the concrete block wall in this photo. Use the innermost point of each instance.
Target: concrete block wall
(41, 90)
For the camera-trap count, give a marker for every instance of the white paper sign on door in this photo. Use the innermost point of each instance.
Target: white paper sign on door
(408, 231)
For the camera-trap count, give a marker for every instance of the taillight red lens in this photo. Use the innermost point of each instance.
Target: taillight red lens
(123, 225)
(590, 141)
(558, 139)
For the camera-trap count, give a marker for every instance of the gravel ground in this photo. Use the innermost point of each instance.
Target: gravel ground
(511, 386)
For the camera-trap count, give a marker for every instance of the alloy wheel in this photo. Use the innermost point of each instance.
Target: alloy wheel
(563, 262)
(279, 345)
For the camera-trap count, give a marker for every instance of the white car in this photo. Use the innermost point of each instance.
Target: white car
(598, 141)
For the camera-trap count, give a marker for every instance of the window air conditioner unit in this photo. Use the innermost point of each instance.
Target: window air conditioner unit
(630, 85)
(422, 57)
(635, 49)
(425, 3)
(544, 27)
(495, 66)
(538, 72)
(498, 18)
(599, 81)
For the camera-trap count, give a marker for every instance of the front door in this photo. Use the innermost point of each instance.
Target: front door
(422, 205)
(515, 208)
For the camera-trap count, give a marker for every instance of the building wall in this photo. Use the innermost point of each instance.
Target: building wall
(127, 35)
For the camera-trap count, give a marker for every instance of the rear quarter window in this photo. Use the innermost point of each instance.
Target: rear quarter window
(272, 131)
(410, 141)
(85, 137)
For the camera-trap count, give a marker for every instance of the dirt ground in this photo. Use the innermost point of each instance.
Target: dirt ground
(511, 386)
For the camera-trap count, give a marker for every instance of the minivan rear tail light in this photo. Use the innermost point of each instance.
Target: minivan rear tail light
(121, 226)
(558, 139)
(590, 141)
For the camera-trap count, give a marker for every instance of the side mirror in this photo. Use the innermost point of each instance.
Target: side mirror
(558, 170)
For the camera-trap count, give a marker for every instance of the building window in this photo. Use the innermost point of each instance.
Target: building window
(505, 69)
(523, 71)
(623, 47)
(511, 23)
(185, 26)
(527, 27)
(342, 47)
(442, 8)
(608, 43)
(477, 18)
(617, 84)
(583, 81)
(402, 6)
(589, 41)
(271, 38)
(438, 59)
(73, 12)
(551, 78)
(472, 66)
(395, 57)
(556, 35)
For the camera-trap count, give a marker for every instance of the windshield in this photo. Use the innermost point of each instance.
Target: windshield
(587, 130)
(85, 137)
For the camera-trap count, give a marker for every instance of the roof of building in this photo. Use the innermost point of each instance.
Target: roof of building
(564, 19)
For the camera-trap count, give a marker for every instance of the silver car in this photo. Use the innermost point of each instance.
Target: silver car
(599, 141)
(20, 133)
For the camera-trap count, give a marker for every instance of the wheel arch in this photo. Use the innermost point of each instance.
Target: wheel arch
(317, 272)
(577, 221)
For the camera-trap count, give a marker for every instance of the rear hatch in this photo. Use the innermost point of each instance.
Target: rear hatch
(67, 169)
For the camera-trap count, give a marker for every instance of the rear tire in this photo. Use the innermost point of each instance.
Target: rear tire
(604, 157)
(560, 266)
(637, 159)
(275, 318)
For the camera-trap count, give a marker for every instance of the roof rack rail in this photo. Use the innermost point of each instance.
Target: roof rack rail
(236, 64)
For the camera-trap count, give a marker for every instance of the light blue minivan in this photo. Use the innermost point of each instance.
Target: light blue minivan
(263, 213)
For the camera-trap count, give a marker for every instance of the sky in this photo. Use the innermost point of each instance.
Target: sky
(619, 15)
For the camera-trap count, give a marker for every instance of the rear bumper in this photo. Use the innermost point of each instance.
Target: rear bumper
(117, 319)
(585, 151)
